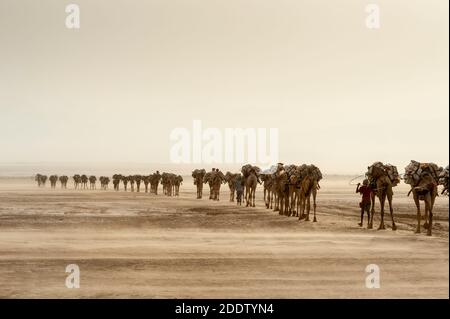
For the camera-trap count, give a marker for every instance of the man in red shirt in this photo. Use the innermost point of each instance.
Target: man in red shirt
(366, 192)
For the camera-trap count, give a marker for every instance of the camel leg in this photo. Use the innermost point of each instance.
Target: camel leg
(429, 209)
(302, 207)
(426, 217)
(314, 194)
(372, 211)
(382, 201)
(254, 193)
(280, 204)
(391, 210)
(246, 196)
(265, 192)
(308, 208)
(293, 203)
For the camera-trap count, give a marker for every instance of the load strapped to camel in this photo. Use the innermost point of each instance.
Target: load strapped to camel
(248, 168)
(218, 176)
(378, 169)
(301, 171)
(290, 170)
(231, 176)
(314, 172)
(443, 180)
(415, 171)
(198, 172)
(269, 171)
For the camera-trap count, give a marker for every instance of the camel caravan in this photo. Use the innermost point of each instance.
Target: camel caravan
(170, 182)
(290, 190)
(381, 179)
(287, 189)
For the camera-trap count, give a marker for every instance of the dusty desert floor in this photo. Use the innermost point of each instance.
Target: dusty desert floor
(133, 245)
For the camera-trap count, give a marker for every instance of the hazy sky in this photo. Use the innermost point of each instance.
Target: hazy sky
(342, 95)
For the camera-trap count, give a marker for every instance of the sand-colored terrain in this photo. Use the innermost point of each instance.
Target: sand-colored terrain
(140, 245)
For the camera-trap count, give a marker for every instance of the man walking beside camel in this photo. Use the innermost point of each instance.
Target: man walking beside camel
(366, 192)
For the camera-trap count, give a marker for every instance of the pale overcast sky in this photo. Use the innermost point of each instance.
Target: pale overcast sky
(341, 95)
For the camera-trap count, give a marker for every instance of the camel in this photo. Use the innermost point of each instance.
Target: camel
(84, 180)
(239, 187)
(53, 179)
(308, 187)
(138, 179)
(131, 180)
(268, 177)
(251, 179)
(116, 181)
(63, 180)
(443, 180)
(272, 193)
(168, 181)
(198, 176)
(37, 178)
(267, 185)
(208, 179)
(217, 179)
(230, 178)
(41, 180)
(378, 177)
(152, 179)
(165, 183)
(300, 189)
(146, 181)
(125, 182)
(250, 188)
(294, 192)
(104, 181)
(155, 178)
(92, 180)
(426, 191)
(281, 187)
(178, 182)
(76, 180)
(172, 182)
(424, 179)
(291, 170)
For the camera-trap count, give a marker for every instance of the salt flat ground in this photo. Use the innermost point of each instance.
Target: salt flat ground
(139, 245)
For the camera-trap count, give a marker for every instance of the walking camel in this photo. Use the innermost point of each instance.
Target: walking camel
(383, 184)
(198, 176)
